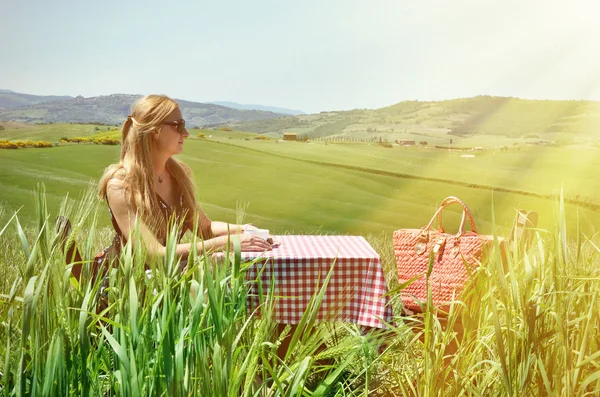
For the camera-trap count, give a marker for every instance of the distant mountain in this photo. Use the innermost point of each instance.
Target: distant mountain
(10, 99)
(481, 115)
(112, 109)
(274, 109)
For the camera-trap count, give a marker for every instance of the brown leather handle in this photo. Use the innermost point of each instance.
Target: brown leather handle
(451, 200)
(466, 214)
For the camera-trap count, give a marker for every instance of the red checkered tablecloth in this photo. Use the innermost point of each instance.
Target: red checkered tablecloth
(357, 291)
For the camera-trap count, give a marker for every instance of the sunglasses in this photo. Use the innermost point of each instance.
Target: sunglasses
(179, 124)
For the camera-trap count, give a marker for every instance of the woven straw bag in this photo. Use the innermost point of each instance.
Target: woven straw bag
(453, 257)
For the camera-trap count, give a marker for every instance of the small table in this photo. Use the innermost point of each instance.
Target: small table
(357, 291)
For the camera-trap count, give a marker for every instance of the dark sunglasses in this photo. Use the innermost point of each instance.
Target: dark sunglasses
(179, 124)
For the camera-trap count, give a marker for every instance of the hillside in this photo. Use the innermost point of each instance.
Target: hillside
(478, 121)
(11, 100)
(546, 120)
(112, 109)
(275, 109)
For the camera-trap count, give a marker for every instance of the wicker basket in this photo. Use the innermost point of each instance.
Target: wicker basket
(444, 261)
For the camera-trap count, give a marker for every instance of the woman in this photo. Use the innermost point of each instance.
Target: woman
(152, 186)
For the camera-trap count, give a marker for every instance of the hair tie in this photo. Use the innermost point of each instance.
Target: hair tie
(127, 127)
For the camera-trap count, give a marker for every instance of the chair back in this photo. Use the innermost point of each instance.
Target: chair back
(72, 255)
(523, 229)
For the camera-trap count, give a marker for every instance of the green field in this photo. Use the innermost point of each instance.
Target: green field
(303, 188)
(53, 132)
(530, 324)
(542, 170)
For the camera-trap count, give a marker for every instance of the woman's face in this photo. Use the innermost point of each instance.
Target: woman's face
(170, 139)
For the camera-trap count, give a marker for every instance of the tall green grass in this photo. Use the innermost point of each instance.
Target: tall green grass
(528, 330)
(171, 333)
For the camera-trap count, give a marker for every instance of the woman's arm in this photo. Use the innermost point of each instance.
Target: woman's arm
(125, 218)
(207, 228)
(223, 228)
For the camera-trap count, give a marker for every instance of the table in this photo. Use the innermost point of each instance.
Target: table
(356, 292)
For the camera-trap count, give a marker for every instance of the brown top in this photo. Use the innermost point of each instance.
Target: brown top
(204, 224)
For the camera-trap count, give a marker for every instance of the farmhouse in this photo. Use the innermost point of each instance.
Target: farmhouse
(289, 136)
(405, 142)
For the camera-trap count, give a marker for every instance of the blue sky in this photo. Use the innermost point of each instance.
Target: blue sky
(307, 55)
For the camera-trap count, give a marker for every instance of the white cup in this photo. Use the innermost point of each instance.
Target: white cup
(262, 233)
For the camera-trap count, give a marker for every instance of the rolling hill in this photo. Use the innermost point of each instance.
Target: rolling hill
(541, 120)
(275, 109)
(111, 109)
(497, 120)
(11, 100)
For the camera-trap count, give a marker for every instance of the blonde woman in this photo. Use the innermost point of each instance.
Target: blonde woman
(152, 186)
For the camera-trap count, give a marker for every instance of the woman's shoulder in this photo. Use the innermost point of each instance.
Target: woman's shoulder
(119, 173)
(117, 179)
(118, 170)
(113, 179)
(115, 183)
(116, 191)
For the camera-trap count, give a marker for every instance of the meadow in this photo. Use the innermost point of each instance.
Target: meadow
(52, 132)
(332, 188)
(532, 330)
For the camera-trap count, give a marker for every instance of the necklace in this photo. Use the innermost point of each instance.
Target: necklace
(160, 179)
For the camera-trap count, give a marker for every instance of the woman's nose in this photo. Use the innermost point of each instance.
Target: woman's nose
(185, 133)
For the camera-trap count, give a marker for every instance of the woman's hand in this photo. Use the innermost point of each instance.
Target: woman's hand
(254, 243)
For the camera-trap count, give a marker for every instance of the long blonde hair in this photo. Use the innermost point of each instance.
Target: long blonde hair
(146, 118)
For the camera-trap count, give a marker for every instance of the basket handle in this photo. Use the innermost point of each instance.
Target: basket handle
(465, 214)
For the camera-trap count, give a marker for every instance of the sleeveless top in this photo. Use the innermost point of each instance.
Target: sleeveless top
(178, 210)
(114, 250)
